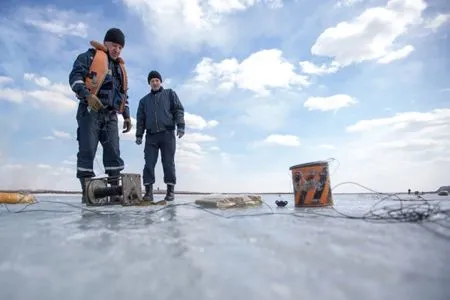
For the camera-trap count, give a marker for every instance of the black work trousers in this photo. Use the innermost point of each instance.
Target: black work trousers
(164, 141)
(95, 127)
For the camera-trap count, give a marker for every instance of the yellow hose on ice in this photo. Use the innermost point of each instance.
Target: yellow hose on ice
(17, 198)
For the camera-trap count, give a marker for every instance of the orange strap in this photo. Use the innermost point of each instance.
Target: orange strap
(99, 69)
(124, 85)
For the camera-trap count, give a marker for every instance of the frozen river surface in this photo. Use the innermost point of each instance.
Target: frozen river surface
(57, 251)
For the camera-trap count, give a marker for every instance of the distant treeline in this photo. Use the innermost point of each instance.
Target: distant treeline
(159, 191)
(79, 192)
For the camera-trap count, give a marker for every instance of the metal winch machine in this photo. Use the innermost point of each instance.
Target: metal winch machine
(100, 192)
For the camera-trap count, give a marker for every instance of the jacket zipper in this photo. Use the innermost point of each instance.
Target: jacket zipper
(156, 117)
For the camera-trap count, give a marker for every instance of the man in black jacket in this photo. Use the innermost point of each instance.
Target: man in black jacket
(159, 113)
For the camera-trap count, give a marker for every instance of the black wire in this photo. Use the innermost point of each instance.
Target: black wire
(416, 210)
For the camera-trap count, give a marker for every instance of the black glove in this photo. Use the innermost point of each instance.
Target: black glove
(126, 125)
(180, 133)
(138, 140)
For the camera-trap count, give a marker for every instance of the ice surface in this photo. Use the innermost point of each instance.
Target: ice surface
(56, 251)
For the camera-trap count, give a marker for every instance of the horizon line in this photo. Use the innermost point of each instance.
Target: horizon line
(49, 191)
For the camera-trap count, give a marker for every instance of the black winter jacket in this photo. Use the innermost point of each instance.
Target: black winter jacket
(159, 111)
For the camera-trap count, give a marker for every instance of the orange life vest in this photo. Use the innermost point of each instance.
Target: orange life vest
(99, 69)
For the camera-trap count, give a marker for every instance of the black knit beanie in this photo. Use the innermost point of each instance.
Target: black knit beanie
(115, 35)
(153, 74)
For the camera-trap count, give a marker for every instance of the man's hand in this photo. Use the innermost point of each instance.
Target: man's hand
(94, 103)
(138, 140)
(126, 125)
(180, 133)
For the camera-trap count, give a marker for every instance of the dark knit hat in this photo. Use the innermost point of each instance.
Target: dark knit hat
(153, 74)
(115, 35)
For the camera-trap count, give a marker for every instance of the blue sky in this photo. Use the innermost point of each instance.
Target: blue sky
(265, 84)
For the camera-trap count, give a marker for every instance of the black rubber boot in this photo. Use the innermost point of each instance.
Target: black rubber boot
(148, 193)
(83, 190)
(170, 193)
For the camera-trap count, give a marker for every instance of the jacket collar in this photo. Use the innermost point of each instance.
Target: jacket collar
(155, 92)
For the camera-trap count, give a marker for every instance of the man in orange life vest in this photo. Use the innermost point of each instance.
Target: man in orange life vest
(99, 80)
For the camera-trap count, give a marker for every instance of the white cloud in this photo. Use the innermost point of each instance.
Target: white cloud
(60, 28)
(437, 21)
(334, 102)
(191, 154)
(347, 3)
(418, 144)
(11, 166)
(269, 112)
(436, 117)
(37, 176)
(69, 162)
(43, 166)
(372, 35)
(228, 6)
(44, 82)
(197, 122)
(5, 80)
(326, 146)
(56, 21)
(251, 73)
(167, 21)
(62, 134)
(197, 137)
(396, 55)
(310, 68)
(60, 32)
(51, 96)
(12, 95)
(212, 123)
(9, 94)
(283, 140)
(407, 150)
(57, 134)
(52, 100)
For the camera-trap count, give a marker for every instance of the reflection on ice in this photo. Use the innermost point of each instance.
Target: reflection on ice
(56, 251)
